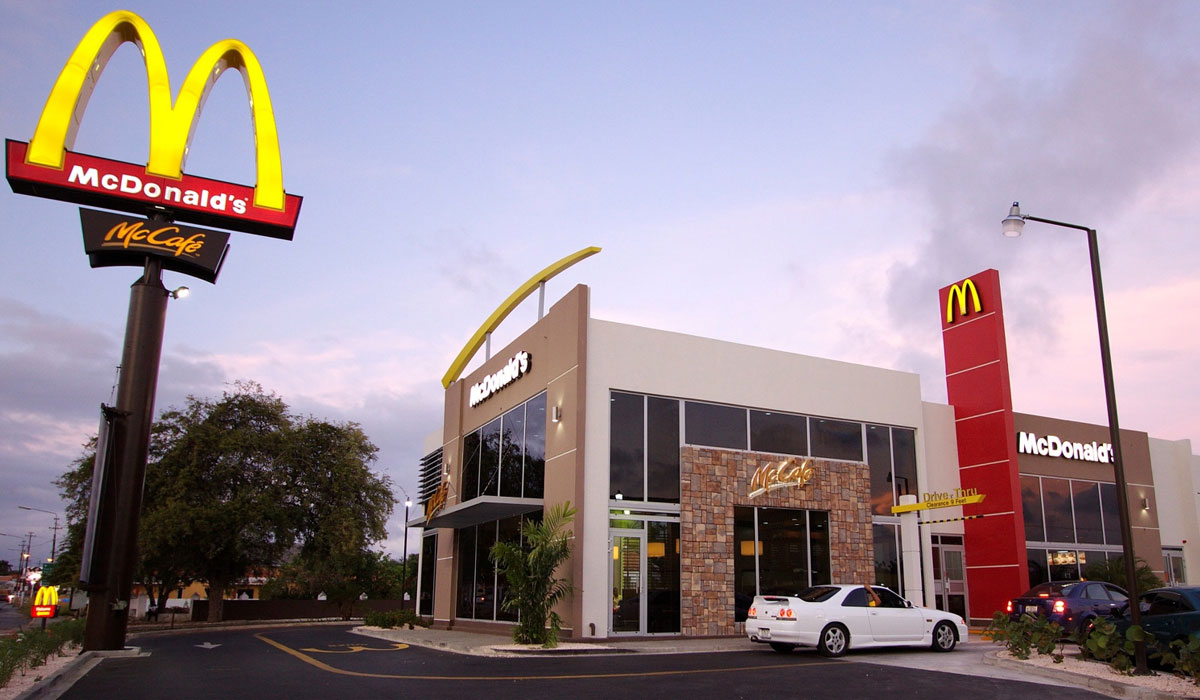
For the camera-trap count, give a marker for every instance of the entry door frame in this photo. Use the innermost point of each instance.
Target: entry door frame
(942, 585)
(615, 534)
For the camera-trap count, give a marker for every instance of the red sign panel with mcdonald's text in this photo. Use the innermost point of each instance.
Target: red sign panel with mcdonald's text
(46, 166)
(115, 184)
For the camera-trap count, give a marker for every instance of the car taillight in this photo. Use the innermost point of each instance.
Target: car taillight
(786, 613)
(1060, 606)
(753, 612)
(1008, 607)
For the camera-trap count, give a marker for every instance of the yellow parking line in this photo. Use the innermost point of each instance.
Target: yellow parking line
(641, 674)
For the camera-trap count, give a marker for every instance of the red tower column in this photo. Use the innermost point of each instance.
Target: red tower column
(977, 385)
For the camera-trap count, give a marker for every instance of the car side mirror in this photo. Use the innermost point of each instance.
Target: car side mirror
(908, 603)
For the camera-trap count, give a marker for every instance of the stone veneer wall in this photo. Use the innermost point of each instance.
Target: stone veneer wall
(713, 481)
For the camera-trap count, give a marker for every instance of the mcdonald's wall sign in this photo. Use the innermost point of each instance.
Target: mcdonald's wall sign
(47, 167)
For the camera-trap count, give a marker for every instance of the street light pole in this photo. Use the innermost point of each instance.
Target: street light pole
(54, 537)
(1012, 225)
(407, 505)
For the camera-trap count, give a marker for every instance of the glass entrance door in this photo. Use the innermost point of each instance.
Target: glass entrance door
(950, 578)
(626, 567)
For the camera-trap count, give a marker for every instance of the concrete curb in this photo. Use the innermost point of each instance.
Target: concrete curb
(1111, 687)
(61, 680)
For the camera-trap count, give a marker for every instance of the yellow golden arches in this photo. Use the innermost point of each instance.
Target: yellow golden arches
(505, 308)
(960, 291)
(171, 127)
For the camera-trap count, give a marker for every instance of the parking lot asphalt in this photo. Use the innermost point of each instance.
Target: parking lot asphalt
(975, 657)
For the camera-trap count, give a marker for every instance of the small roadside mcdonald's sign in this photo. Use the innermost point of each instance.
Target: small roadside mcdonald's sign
(45, 603)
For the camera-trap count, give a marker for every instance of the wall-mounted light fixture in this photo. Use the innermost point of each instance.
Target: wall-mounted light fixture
(179, 293)
(555, 414)
(1145, 503)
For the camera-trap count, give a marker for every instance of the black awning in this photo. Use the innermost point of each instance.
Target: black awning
(484, 509)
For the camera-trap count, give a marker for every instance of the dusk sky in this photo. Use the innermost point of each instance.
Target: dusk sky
(802, 176)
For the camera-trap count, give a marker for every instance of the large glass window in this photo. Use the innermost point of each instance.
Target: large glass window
(778, 551)
(904, 456)
(887, 556)
(512, 459)
(662, 442)
(535, 446)
(480, 587)
(489, 460)
(1039, 571)
(644, 448)
(1086, 499)
(627, 455)
(470, 466)
(465, 604)
(715, 426)
(662, 577)
(879, 457)
(507, 457)
(836, 439)
(1112, 517)
(1031, 507)
(1056, 500)
(428, 573)
(1073, 511)
(781, 433)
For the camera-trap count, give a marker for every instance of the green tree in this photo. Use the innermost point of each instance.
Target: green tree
(238, 484)
(1113, 571)
(530, 568)
(225, 514)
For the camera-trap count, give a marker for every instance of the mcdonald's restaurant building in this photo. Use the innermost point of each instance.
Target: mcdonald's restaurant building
(705, 472)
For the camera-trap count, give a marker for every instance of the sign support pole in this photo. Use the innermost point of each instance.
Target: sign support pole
(117, 530)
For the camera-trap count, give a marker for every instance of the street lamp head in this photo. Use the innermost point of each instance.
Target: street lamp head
(179, 293)
(1014, 222)
(408, 503)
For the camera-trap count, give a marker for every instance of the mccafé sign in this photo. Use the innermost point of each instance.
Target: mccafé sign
(789, 472)
(46, 166)
(962, 293)
(1054, 446)
(120, 239)
(516, 368)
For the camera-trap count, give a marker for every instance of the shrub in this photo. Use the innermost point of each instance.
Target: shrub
(1184, 657)
(1026, 634)
(393, 618)
(1102, 641)
(31, 648)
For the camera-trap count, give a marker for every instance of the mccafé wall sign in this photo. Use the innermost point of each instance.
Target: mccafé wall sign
(1054, 446)
(789, 472)
(47, 167)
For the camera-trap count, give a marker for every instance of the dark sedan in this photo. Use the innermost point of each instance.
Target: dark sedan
(1169, 613)
(1069, 603)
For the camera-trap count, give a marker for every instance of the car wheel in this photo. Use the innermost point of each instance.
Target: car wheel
(835, 639)
(782, 647)
(944, 638)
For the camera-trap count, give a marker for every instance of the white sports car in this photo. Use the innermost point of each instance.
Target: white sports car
(836, 617)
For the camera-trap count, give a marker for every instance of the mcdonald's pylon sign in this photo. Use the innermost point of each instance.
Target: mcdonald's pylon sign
(45, 603)
(961, 292)
(47, 167)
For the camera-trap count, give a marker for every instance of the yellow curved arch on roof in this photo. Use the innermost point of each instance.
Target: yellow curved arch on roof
(505, 308)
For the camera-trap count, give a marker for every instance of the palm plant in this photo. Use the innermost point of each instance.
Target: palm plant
(529, 567)
(1113, 571)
